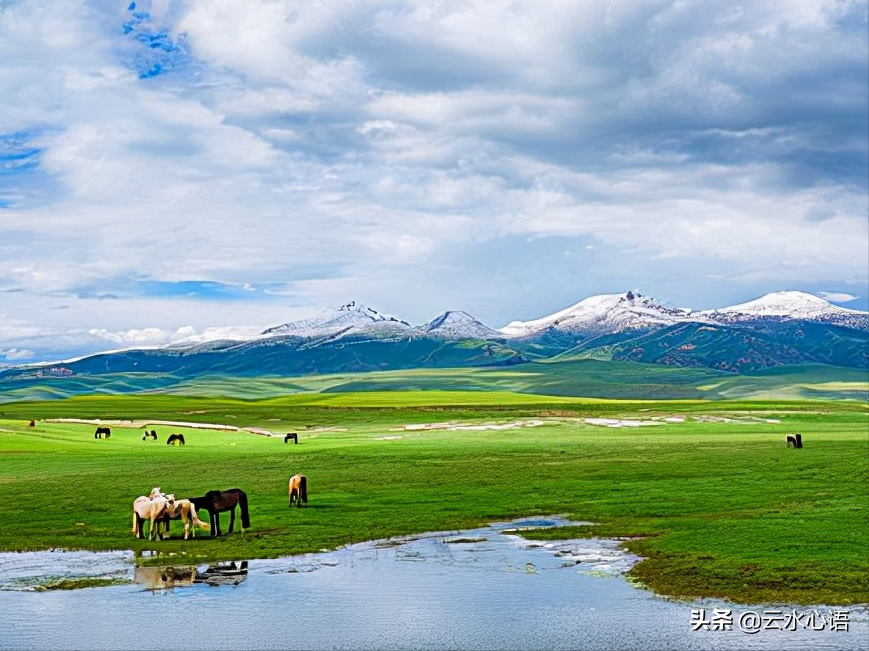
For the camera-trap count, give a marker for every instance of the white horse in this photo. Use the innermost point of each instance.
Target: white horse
(185, 511)
(152, 507)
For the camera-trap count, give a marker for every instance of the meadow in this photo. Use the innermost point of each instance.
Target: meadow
(709, 496)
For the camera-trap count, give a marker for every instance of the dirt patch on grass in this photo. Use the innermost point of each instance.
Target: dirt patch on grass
(452, 427)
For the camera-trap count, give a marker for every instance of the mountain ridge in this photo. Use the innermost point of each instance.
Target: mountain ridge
(784, 328)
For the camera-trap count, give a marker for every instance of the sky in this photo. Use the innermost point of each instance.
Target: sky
(173, 169)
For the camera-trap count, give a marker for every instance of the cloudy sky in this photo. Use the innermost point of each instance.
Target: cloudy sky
(185, 168)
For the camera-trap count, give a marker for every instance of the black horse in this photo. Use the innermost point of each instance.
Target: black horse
(292, 436)
(175, 437)
(102, 430)
(149, 435)
(795, 440)
(216, 502)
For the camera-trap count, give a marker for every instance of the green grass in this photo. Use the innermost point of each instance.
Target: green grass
(721, 508)
(585, 377)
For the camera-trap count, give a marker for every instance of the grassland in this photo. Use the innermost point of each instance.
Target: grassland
(717, 503)
(571, 377)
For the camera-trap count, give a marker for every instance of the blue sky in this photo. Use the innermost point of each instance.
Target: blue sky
(174, 169)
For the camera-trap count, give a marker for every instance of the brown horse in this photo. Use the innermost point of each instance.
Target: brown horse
(297, 489)
(152, 507)
(216, 502)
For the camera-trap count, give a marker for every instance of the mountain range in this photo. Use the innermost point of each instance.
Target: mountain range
(780, 329)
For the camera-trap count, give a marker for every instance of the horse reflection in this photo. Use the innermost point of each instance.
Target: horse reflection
(164, 578)
(223, 573)
(170, 577)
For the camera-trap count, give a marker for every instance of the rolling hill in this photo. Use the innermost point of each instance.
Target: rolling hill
(669, 352)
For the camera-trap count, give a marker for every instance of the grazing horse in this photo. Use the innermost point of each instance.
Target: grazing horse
(32, 423)
(185, 511)
(215, 502)
(175, 437)
(152, 507)
(102, 430)
(795, 440)
(293, 436)
(149, 435)
(297, 489)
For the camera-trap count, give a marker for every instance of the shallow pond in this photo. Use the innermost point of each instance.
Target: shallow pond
(477, 589)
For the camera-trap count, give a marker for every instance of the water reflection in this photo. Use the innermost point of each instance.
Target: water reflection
(169, 577)
(487, 588)
(227, 573)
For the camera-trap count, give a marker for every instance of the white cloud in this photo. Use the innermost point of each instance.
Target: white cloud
(16, 354)
(390, 144)
(149, 337)
(838, 297)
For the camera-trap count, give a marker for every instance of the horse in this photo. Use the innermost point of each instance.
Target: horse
(175, 437)
(293, 436)
(795, 440)
(215, 502)
(297, 489)
(149, 435)
(102, 430)
(185, 511)
(152, 507)
(32, 424)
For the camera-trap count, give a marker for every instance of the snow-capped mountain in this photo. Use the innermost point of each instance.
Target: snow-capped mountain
(457, 325)
(789, 305)
(779, 329)
(349, 318)
(596, 315)
(613, 313)
(605, 313)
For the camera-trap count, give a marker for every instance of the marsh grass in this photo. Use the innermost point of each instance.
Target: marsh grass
(77, 584)
(717, 508)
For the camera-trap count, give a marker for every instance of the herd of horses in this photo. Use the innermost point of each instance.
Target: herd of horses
(161, 508)
(177, 439)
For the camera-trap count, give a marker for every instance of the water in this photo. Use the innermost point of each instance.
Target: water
(478, 589)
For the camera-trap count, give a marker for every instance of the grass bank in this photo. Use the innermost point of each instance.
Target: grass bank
(723, 508)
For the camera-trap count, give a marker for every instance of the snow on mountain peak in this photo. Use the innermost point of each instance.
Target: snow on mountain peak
(790, 305)
(457, 325)
(350, 317)
(612, 312)
(786, 303)
(595, 315)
